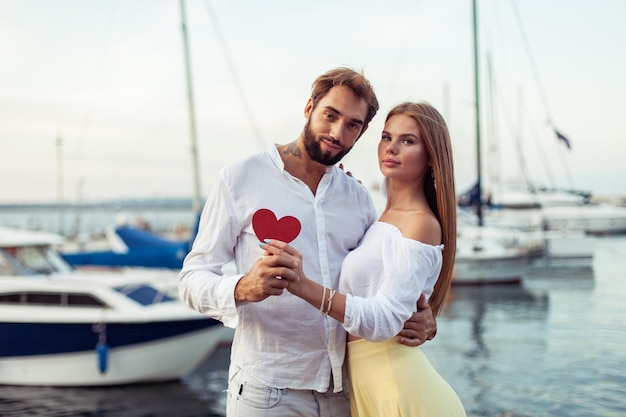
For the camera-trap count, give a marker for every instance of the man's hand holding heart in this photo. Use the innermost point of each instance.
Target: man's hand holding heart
(272, 272)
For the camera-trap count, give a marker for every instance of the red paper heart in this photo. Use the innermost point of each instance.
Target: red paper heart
(266, 226)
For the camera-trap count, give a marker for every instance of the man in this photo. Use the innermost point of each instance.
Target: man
(287, 358)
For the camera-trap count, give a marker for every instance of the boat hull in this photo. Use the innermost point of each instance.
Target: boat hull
(496, 270)
(566, 250)
(157, 360)
(490, 255)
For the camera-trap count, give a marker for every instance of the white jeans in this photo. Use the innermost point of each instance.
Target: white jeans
(249, 398)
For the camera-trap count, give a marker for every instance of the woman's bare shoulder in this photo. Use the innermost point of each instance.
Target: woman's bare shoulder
(422, 225)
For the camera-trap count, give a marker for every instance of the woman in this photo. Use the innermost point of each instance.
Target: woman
(412, 248)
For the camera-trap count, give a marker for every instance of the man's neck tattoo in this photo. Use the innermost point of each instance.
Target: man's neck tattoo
(293, 149)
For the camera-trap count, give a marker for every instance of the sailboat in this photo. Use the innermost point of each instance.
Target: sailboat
(546, 229)
(132, 246)
(486, 255)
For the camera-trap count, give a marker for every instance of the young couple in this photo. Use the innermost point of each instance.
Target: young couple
(318, 269)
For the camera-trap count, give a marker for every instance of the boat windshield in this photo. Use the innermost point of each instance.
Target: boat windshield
(31, 260)
(144, 294)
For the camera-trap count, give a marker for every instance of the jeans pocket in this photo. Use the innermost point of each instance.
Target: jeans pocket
(259, 396)
(247, 391)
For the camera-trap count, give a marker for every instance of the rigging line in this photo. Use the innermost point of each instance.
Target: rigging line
(515, 132)
(91, 107)
(542, 155)
(570, 179)
(125, 23)
(234, 73)
(532, 63)
(506, 115)
(494, 150)
(124, 34)
(518, 141)
(540, 86)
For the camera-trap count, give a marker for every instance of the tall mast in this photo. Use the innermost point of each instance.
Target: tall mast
(196, 205)
(479, 211)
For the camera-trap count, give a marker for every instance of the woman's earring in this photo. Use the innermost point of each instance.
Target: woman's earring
(432, 175)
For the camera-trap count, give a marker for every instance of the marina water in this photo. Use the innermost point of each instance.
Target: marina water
(554, 345)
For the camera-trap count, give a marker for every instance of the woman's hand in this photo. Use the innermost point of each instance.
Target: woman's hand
(348, 173)
(267, 277)
(287, 256)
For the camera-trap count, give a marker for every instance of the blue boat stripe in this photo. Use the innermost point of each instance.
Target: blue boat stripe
(26, 339)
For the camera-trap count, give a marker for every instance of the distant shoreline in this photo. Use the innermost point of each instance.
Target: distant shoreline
(116, 204)
(181, 203)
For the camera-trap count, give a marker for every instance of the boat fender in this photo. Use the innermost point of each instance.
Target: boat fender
(102, 349)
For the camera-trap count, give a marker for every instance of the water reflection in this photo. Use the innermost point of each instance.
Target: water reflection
(493, 338)
(158, 400)
(200, 394)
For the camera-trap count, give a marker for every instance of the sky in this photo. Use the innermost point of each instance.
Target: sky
(94, 104)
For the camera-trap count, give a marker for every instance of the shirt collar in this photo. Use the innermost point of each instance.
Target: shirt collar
(275, 157)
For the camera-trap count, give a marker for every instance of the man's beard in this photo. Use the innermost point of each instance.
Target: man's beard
(314, 149)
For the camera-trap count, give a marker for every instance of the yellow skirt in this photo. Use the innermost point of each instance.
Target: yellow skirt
(390, 379)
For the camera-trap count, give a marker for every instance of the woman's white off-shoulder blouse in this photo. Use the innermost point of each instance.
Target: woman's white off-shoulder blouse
(383, 278)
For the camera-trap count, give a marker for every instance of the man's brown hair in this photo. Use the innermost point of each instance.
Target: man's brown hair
(355, 81)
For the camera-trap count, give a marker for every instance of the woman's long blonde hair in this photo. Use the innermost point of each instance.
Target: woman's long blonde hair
(440, 191)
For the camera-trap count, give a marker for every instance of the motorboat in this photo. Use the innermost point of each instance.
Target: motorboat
(66, 327)
(560, 247)
(593, 219)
